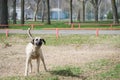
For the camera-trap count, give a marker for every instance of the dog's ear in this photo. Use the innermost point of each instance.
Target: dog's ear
(43, 41)
(32, 41)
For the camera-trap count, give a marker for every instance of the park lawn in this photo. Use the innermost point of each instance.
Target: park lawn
(65, 39)
(101, 69)
(38, 26)
(63, 24)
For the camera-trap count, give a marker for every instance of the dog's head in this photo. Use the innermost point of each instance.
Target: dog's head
(38, 41)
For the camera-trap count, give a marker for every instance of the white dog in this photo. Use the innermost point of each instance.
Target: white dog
(33, 51)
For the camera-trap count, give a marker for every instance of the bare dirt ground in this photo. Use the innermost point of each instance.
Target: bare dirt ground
(12, 58)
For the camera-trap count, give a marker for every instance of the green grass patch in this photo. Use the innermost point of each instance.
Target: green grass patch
(103, 69)
(64, 39)
(83, 39)
(55, 74)
(30, 78)
(35, 77)
(44, 25)
(113, 73)
(53, 78)
(67, 71)
(64, 24)
(19, 27)
(97, 65)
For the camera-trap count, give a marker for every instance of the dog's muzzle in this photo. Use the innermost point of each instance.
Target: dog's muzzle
(39, 43)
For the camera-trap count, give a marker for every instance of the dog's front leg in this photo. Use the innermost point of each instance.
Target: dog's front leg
(38, 64)
(30, 66)
(27, 67)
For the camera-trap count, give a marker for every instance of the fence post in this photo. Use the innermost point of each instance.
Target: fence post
(111, 26)
(57, 33)
(7, 32)
(32, 25)
(79, 25)
(72, 25)
(97, 32)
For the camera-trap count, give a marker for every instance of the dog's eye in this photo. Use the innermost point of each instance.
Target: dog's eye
(36, 39)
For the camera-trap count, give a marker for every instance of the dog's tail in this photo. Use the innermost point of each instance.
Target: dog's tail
(29, 34)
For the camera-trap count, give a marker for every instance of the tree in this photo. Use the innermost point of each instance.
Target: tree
(14, 12)
(78, 16)
(71, 21)
(81, 10)
(43, 10)
(96, 4)
(22, 11)
(3, 13)
(36, 9)
(115, 13)
(48, 10)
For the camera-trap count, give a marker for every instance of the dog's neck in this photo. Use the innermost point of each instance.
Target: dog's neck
(36, 47)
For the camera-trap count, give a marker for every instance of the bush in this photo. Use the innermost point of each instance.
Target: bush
(110, 15)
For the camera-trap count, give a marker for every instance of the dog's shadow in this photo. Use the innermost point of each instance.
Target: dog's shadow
(67, 73)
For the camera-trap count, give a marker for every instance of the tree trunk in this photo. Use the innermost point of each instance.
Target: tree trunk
(48, 10)
(14, 12)
(96, 14)
(43, 10)
(78, 16)
(22, 11)
(3, 14)
(71, 21)
(83, 11)
(35, 14)
(115, 13)
(96, 4)
(36, 10)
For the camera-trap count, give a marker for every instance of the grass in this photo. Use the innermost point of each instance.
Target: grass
(54, 74)
(103, 69)
(64, 24)
(64, 39)
(113, 73)
(30, 78)
(108, 71)
(67, 71)
(83, 39)
(37, 27)
(98, 64)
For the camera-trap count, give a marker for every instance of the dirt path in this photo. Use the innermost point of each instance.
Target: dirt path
(12, 59)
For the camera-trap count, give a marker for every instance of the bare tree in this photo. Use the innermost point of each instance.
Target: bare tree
(14, 12)
(71, 20)
(96, 4)
(3, 13)
(78, 16)
(83, 10)
(43, 10)
(36, 9)
(48, 10)
(115, 13)
(22, 12)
